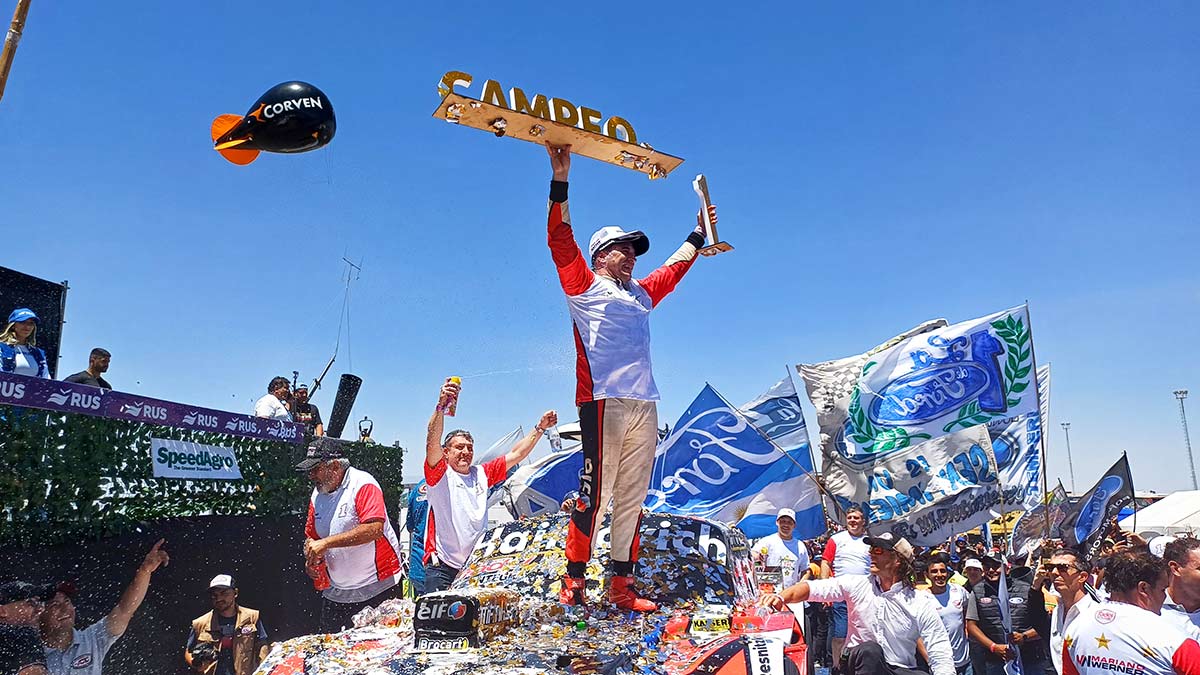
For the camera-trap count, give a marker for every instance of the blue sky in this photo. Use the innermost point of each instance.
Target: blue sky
(874, 166)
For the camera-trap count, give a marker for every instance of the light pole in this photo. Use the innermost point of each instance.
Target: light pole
(1187, 442)
(1070, 464)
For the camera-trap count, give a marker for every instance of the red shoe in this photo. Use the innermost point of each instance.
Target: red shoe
(621, 594)
(573, 590)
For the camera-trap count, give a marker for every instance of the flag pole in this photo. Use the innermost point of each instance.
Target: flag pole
(1041, 423)
(10, 42)
(817, 474)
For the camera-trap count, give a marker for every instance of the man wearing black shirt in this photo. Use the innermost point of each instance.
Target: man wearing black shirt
(306, 413)
(20, 649)
(97, 366)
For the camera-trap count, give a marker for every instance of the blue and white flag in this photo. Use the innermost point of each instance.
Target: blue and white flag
(777, 414)
(715, 463)
(539, 487)
(1017, 446)
(929, 382)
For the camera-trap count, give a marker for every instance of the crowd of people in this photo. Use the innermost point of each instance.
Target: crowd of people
(876, 604)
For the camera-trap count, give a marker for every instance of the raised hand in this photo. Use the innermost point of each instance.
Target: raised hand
(560, 160)
(156, 557)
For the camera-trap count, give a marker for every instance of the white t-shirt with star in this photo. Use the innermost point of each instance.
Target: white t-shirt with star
(1116, 638)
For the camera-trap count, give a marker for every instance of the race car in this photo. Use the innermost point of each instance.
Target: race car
(502, 616)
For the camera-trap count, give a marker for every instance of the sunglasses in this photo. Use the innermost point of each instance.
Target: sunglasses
(1060, 568)
(875, 550)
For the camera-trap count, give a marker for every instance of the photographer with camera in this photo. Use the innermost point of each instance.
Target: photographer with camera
(229, 640)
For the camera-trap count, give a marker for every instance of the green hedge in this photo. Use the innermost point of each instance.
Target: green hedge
(70, 477)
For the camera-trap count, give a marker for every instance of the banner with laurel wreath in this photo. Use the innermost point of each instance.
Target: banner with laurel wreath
(932, 381)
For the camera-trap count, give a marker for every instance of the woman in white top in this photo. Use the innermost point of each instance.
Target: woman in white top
(19, 352)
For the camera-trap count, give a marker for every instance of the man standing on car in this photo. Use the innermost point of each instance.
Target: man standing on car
(615, 387)
(457, 491)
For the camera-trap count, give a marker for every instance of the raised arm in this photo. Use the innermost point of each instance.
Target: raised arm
(663, 280)
(574, 271)
(135, 593)
(437, 424)
(523, 447)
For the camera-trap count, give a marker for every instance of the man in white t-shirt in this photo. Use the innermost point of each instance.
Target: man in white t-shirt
(845, 554)
(1126, 634)
(1069, 576)
(784, 551)
(70, 651)
(887, 618)
(950, 602)
(350, 547)
(457, 491)
(273, 406)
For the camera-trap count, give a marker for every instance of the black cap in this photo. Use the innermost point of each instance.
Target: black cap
(322, 449)
(18, 591)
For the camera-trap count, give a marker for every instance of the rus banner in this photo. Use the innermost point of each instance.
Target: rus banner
(65, 397)
(902, 492)
(715, 462)
(930, 382)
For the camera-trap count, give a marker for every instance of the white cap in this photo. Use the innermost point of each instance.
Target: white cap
(612, 235)
(786, 512)
(1159, 544)
(221, 581)
(973, 563)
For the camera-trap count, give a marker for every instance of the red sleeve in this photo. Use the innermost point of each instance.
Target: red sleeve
(310, 524)
(573, 271)
(496, 470)
(663, 280)
(369, 504)
(1186, 659)
(830, 552)
(1068, 665)
(433, 474)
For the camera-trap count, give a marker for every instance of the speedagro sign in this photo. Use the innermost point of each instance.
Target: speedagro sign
(181, 459)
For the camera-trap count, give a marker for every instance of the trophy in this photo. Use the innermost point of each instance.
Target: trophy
(715, 245)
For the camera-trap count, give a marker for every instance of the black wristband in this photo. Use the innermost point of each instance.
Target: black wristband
(695, 239)
(558, 191)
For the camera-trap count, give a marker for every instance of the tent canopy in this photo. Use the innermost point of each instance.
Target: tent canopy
(1177, 513)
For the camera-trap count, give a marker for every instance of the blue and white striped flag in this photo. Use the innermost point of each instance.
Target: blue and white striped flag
(715, 463)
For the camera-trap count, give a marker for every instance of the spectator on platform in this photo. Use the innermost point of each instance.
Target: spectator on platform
(21, 605)
(306, 414)
(273, 406)
(97, 366)
(348, 536)
(229, 640)
(81, 652)
(458, 491)
(19, 353)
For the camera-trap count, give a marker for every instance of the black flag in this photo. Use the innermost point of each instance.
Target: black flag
(1086, 523)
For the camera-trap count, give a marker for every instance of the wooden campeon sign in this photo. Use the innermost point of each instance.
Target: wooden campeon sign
(554, 120)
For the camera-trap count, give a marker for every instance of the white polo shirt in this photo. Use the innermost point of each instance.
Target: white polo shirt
(894, 618)
(458, 509)
(1059, 622)
(271, 408)
(86, 654)
(357, 573)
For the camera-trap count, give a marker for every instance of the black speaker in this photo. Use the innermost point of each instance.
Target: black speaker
(346, 393)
